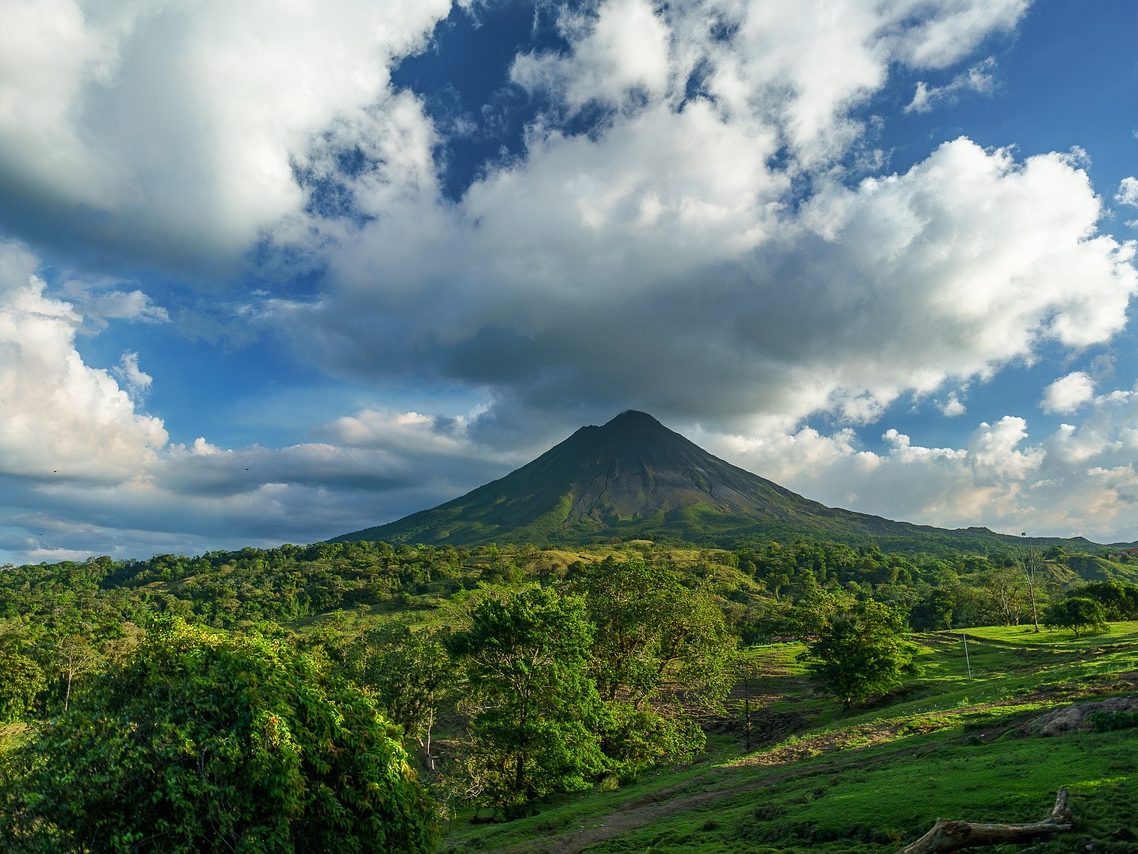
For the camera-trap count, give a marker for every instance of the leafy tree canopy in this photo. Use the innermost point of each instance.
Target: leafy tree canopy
(409, 672)
(204, 741)
(861, 653)
(660, 649)
(1077, 613)
(535, 710)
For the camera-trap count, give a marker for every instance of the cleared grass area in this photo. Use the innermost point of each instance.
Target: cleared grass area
(944, 745)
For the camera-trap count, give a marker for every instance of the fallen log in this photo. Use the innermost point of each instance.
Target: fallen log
(952, 835)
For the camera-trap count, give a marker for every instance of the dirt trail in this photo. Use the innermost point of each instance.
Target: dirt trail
(642, 811)
(715, 785)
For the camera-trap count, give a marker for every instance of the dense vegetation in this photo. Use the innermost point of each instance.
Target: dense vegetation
(216, 699)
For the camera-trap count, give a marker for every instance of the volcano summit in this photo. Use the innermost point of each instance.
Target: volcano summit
(633, 477)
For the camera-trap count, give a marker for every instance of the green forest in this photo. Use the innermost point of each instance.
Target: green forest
(361, 696)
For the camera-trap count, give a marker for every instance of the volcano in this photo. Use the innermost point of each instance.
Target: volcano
(634, 478)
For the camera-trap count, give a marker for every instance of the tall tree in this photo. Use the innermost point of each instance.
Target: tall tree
(1033, 566)
(410, 673)
(661, 650)
(535, 710)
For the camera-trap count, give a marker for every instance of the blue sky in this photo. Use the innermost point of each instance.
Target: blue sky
(268, 278)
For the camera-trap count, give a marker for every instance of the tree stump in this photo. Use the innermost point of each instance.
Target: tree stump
(952, 835)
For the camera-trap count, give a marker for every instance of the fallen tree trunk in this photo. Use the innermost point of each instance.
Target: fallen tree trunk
(952, 835)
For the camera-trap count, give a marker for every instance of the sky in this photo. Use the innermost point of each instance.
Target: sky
(271, 272)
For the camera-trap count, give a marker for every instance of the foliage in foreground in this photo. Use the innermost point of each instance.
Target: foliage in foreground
(204, 741)
(664, 621)
(660, 650)
(535, 710)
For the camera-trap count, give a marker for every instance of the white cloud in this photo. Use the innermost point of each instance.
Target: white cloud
(171, 129)
(953, 407)
(623, 48)
(61, 418)
(135, 380)
(980, 78)
(655, 266)
(946, 31)
(799, 68)
(1127, 192)
(1078, 481)
(99, 307)
(1067, 394)
(673, 219)
(805, 65)
(83, 471)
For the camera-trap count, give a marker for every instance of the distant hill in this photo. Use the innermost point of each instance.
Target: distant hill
(633, 477)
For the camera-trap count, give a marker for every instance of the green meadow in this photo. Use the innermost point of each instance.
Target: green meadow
(944, 745)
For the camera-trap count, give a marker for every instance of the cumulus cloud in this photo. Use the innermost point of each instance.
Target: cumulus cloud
(621, 50)
(1078, 481)
(1067, 394)
(171, 130)
(797, 69)
(952, 407)
(1128, 195)
(82, 470)
(62, 419)
(655, 267)
(980, 78)
(675, 219)
(1127, 192)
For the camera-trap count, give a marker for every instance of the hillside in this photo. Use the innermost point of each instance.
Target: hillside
(635, 478)
(974, 747)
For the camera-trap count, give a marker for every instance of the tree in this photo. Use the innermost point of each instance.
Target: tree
(935, 611)
(811, 614)
(661, 650)
(1033, 567)
(206, 741)
(861, 653)
(1077, 613)
(1119, 599)
(74, 657)
(409, 672)
(536, 713)
(21, 682)
(1005, 587)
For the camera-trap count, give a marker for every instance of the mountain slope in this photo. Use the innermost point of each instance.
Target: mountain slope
(633, 477)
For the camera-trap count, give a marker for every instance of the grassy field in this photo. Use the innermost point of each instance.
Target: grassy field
(945, 745)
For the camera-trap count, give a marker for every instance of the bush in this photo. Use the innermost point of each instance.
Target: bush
(1077, 613)
(861, 653)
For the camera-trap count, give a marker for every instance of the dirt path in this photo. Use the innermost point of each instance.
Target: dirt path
(715, 785)
(642, 811)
